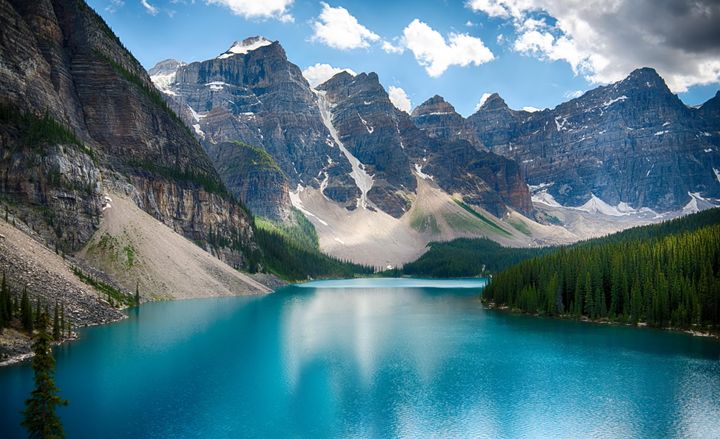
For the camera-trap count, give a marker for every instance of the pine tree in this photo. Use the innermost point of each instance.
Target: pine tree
(62, 319)
(589, 296)
(26, 314)
(137, 293)
(4, 314)
(56, 324)
(38, 311)
(39, 417)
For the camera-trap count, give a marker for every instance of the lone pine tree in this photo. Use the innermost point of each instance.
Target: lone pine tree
(39, 417)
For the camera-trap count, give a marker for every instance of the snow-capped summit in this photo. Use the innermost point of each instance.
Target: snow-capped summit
(245, 46)
(163, 74)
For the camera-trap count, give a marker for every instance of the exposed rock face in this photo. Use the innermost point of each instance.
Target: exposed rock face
(439, 120)
(108, 127)
(345, 138)
(632, 142)
(435, 143)
(253, 94)
(369, 126)
(252, 174)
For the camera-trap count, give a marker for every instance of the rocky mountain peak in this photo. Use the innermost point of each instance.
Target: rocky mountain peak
(245, 46)
(165, 66)
(493, 103)
(644, 78)
(435, 105)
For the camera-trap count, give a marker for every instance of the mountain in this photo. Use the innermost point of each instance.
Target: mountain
(632, 145)
(438, 119)
(252, 94)
(84, 131)
(343, 141)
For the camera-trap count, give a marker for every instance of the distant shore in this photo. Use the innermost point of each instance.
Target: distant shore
(584, 319)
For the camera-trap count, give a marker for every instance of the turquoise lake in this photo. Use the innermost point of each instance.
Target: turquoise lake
(373, 358)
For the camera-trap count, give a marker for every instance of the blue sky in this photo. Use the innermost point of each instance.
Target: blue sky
(532, 52)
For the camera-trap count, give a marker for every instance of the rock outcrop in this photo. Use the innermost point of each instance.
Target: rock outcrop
(632, 142)
(439, 120)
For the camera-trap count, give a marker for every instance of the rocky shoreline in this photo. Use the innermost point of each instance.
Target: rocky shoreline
(584, 319)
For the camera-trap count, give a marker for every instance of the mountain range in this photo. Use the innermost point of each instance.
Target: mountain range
(357, 166)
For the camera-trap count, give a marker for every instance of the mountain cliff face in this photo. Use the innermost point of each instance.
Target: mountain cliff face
(80, 117)
(345, 138)
(394, 150)
(439, 120)
(632, 144)
(252, 94)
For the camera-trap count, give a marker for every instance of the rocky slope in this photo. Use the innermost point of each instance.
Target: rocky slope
(80, 120)
(631, 144)
(80, 115)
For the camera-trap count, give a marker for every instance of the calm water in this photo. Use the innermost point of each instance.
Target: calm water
(374, 358)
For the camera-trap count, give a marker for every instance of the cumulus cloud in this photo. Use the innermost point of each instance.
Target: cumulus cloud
(152, 10)
(389, 47)
(337, 28)
(257, 9)
(433, 52)
(319, 73)
(399, 98)
(604, 40)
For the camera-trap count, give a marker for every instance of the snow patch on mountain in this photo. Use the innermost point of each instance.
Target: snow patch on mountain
(363, 180)
(216, 85)
(596, 205)
(245, 46)
(368, 127)
(298, 204)
(544, 197)
(612, 101)
(421, 174)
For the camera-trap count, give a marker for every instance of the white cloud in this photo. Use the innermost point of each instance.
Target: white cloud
(470, 24)
(319, 73)
(399, 98)
(482, 101)
(257, 9)
(605, 40)
(436, 55)
(393, 48)
(337, 28)
(152, 10)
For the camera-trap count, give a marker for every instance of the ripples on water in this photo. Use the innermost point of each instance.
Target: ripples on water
(375, 358)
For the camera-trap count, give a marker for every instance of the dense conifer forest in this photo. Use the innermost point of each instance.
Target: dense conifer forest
(467, 257)
(291, 251)
(665, 275)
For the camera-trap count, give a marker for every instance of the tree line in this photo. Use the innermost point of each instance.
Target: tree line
(17, 311)
(665, 275)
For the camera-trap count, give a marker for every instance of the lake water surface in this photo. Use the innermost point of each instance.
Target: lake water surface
(373, 358)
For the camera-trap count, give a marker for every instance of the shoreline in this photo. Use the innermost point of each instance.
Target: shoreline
(20, 358)
(491, 306)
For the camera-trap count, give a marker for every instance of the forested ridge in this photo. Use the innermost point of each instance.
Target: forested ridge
(665, 275)
(291, 251)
